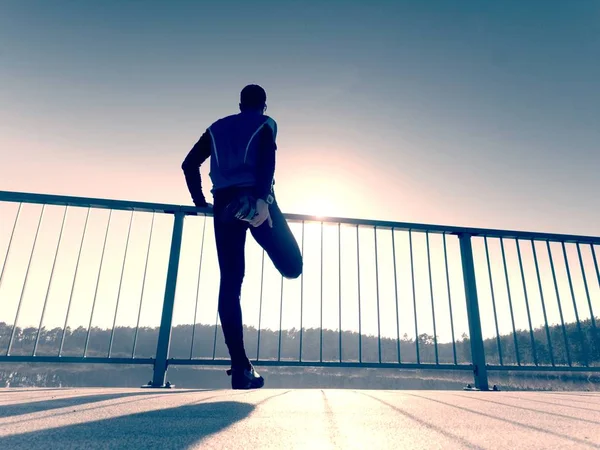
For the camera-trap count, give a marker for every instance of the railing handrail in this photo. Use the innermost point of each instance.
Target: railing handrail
(126, 205)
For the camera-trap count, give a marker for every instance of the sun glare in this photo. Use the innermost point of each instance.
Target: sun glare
(320, 197)
(320, 207)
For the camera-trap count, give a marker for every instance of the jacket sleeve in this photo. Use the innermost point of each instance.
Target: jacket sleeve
(199, 153)
(266, 160)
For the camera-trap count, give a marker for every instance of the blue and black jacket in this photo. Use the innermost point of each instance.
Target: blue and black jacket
(242, 150)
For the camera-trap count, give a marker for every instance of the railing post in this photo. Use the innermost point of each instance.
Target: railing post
(476, 337)
(164, 334)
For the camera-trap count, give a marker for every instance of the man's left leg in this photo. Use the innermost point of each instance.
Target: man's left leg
(230, 239)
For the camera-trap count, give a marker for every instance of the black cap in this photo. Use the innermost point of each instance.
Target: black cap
(253, 96)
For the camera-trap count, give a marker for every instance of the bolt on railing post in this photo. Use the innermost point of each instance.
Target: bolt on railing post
(164, 334)
(476, 337)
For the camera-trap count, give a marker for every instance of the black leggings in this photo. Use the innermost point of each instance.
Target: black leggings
(279, 244)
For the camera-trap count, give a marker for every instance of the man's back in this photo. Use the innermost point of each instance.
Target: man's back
(238, 143)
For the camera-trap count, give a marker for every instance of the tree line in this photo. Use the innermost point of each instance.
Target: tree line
(577, 344)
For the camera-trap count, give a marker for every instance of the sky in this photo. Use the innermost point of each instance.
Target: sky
(481, 114)
(464, 113)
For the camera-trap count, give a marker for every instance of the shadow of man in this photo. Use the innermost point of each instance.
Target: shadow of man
(169, 428)
(64, 400)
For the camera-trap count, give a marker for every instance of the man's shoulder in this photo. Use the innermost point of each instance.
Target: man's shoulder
(254, 120)
(272, 124)
(224, 120)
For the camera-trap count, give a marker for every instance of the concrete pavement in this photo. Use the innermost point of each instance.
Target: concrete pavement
(288, 419)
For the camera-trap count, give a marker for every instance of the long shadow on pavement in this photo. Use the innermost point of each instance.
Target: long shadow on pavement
(32, 390)
(534, 410)
(562, 405)
(63, 402)
(448, 434)
(509, 421)
(171, 428)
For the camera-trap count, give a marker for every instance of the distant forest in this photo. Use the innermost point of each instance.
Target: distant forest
(583, 345)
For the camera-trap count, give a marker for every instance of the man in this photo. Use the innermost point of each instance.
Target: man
(242, 166)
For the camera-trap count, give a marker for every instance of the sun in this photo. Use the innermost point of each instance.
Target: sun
(320, 207)
(320, 197)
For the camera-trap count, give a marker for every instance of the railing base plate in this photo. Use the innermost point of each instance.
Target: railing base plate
(469, 387)
(167, 385)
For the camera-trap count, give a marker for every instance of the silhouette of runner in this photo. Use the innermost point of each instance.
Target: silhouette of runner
(242, 166)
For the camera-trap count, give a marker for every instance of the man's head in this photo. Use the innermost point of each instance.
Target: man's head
(253, 98)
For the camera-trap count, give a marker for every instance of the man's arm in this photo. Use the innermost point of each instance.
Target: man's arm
(191, 168)
(266, 162)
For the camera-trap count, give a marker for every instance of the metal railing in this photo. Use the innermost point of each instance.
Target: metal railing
(84, 280)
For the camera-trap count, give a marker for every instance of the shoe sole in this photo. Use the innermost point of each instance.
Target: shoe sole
(249, 386)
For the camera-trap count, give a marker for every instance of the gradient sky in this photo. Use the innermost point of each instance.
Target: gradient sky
(470, 113)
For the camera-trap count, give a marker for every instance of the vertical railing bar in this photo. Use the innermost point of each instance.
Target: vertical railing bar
(60, 236)
(359, 311)
(562, 321)
(595, 263)
(14, 327)
(280, 321)
(587, 291)
(489, 266)
(262, 273)
(377, 292)
(215, 334)
(580, 331)
(533, 348)
(161, 362)
(473, 313)
(62, 339)
(321, 294)
(537, 271)
(301, 296)
(396, 295)
(512, 316)
(412, 274)
(197, 289)
(137, 326)
(112, 333)
(340, 287)
(216, 326)
(449, 299)
(437, 361)
(12, 234)
(87, 339)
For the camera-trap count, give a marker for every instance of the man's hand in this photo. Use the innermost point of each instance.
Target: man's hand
(203, 205)
(262, 214)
